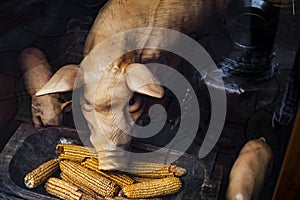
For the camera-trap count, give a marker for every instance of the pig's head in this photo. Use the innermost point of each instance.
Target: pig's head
(47, 110)
(112, 100)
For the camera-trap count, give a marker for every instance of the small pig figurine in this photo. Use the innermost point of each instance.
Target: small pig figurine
(248, 173)
(46, 110)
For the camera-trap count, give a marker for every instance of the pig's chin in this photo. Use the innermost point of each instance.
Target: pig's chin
(113, 161)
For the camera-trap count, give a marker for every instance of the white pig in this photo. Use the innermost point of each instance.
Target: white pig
(47, 110)
(188, 17)
(248, 173)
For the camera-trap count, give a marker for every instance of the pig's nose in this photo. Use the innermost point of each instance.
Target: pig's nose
(112, 160)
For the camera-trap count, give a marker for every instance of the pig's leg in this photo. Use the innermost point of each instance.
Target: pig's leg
(249, 170)
(46, 110)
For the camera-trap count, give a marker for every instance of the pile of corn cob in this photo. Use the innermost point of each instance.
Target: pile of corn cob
(81, 179)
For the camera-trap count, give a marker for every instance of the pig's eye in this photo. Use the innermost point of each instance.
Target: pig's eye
(131, 101)
(86, 105)
(135, 103)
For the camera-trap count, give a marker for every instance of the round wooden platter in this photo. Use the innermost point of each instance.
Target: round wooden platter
(28, 148)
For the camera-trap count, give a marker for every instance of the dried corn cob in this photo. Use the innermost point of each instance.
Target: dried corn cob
(120, 178)
(81, 187)
(74, 152)
(156, 187)
(41, 173)
(65, 190)
(89, 178)
(62, 189)
(154, 170)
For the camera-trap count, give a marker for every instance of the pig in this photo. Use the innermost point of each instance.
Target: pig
(248, 173)
(188, 17)
(46, 110)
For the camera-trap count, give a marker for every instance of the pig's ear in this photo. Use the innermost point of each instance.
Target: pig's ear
(63, 81)
(66, 106)
(140, 79)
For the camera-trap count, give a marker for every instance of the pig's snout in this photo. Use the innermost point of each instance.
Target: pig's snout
(112, 149)
(112, 160)
(111, 156)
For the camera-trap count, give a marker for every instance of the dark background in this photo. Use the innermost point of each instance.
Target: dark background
(59, 28)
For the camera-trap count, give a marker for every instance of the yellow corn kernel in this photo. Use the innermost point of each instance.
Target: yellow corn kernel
(89, 178)
(154, 188)
(74, 152)
(138, 179)
(41, 173)
(120, 178)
